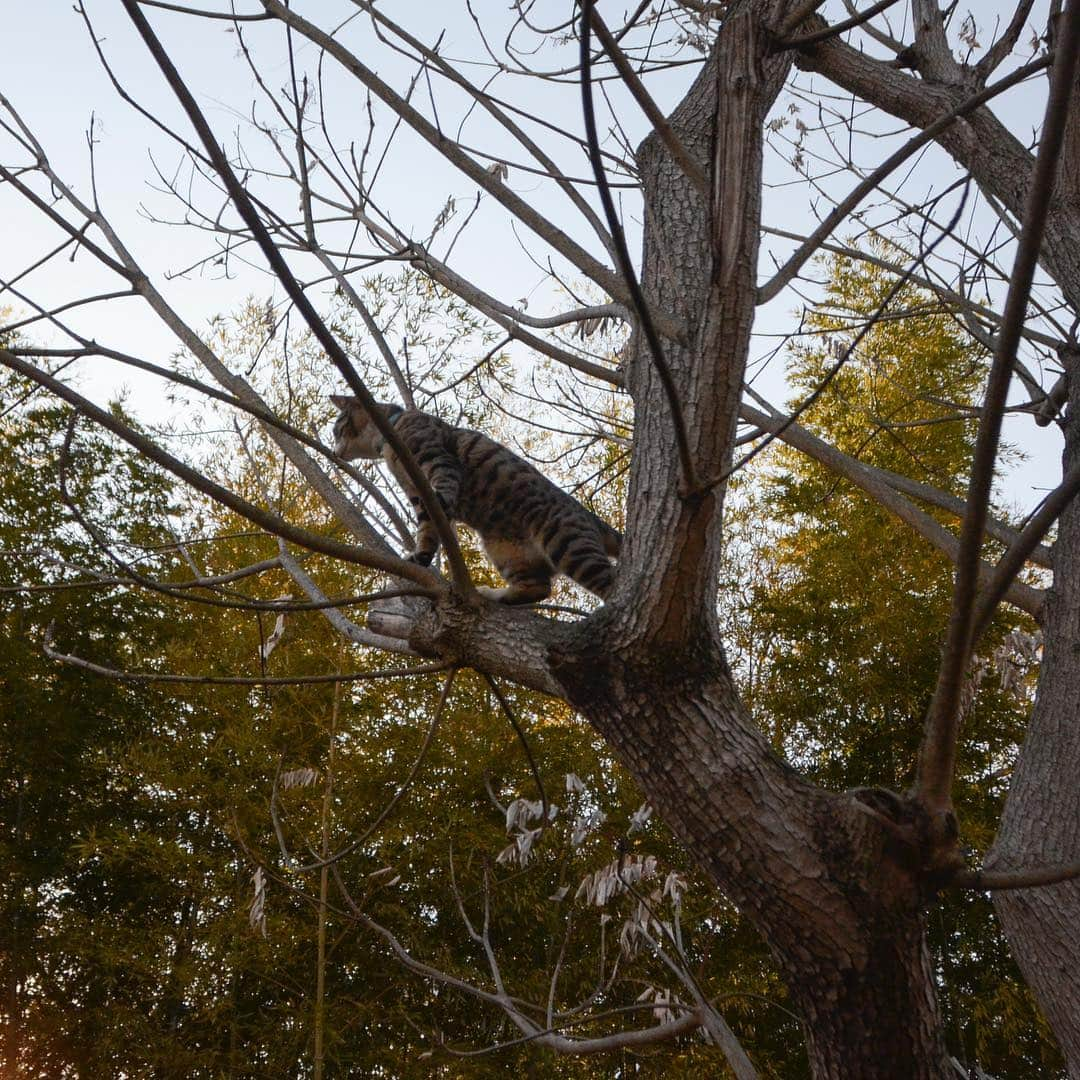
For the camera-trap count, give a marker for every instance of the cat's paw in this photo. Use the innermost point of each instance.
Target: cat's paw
(421, 558)
(489, 593)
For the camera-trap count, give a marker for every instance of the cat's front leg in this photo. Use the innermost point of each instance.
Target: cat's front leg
(426, 542)
(443, 472)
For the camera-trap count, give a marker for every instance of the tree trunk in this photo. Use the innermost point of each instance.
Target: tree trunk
(1041, 823)
(816, 873)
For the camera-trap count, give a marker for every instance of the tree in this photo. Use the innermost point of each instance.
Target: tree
(837, 883)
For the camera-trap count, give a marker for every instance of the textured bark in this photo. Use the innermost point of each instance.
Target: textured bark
(1041, 823)
(814, 871)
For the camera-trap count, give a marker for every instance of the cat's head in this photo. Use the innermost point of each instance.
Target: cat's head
(355, 436)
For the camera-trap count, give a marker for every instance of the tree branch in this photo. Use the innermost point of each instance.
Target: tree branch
(877, 487)
(689, 166)
(938, 752)
(626, 266)
(272, 523)
(238, 195)
(228, 680)
(872, 180)
(817, 36)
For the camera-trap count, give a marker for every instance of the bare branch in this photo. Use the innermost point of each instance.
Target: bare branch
(875, 485)
(846, 355)
(1004, 45)
(345, 627)
(384, 814)
(816, 36)
(562, 243)
(1012, 562)
(229, 680)
(487, 102)
(272, 523)
(998, 880)
(508, 712)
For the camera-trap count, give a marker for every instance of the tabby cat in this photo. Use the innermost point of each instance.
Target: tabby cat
(530, 529)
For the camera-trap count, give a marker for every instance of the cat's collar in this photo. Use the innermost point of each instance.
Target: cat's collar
(392, 415)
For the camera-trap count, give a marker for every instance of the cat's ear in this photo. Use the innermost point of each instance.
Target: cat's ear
(340, 401)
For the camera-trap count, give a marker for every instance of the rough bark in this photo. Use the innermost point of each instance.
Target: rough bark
(816, 873)
(1041, 823)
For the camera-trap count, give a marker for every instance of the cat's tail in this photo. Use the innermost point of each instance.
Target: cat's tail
(611, 538)
(582, 549)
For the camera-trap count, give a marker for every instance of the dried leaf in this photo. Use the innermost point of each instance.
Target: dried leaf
(271, 643)
(639, 819)
(298, 778)
(445, 214)
(257, 911)
(574, 785)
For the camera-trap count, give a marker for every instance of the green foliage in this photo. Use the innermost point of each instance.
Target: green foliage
(63, 737)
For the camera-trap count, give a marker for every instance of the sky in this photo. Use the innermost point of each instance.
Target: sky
(53, 77)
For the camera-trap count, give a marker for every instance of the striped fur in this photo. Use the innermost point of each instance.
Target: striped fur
(530, 529)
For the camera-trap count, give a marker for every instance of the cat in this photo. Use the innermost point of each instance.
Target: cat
(531, 529)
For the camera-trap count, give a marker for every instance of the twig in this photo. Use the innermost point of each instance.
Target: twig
(519, 731)
(823, 383)
(265, 520)
(871, 181)
(818, 36)
(1012, 562)
(227, 680)
(387, 810)
(559, 240)
(689, 166)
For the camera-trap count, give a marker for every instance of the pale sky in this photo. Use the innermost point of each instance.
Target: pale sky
(52, 76)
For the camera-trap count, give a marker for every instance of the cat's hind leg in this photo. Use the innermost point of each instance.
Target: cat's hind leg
(524, 566)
